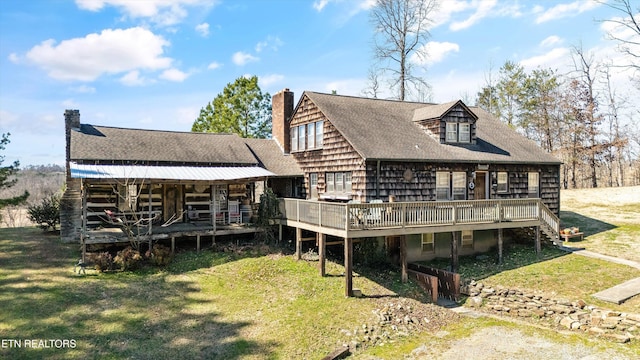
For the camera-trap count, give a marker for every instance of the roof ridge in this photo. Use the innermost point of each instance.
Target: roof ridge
(157, 130)
(372, 99)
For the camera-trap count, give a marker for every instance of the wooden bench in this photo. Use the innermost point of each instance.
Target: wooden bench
(566, 237)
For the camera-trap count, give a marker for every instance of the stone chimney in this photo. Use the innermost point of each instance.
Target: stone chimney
(71, 201)
(281, 111)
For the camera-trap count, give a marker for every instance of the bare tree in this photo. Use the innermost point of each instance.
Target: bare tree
(373, 88)
(401, 30)
(626, 31)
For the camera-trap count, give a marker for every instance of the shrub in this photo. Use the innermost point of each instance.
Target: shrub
(47, 213)
(128, 258)
(160, 255)
(102, 261)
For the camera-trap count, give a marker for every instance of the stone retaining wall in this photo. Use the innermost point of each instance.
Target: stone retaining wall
(561, 314)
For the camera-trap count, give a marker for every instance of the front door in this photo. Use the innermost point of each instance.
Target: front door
(480, 189)
(172, 204)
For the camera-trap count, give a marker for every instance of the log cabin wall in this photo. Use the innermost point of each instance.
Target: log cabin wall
(335, 155)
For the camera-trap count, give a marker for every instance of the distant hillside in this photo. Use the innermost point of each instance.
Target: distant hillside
(39, 181)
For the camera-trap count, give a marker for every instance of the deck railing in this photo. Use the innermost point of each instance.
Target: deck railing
(369, 216)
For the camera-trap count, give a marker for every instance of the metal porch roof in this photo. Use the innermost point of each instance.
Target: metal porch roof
(87, 171)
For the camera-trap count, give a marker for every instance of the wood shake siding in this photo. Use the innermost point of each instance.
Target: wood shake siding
(335, 155)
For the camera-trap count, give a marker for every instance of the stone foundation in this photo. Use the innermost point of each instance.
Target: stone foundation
(558, 313)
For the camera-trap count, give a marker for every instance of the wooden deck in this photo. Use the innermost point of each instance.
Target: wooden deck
(356, 220)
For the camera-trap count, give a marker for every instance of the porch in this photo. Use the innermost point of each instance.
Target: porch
(398, 219)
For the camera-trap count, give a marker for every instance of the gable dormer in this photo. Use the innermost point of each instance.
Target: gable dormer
(449, 123)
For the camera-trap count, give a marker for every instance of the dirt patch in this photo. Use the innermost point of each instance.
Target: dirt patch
(504, 343)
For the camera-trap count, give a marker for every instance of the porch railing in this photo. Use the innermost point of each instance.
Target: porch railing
(369, 216)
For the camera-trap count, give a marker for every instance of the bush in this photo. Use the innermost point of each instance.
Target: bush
(102, 261)
(128, 258)
(160, 255)
(47, 214)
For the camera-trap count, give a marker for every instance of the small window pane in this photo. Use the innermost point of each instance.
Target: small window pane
(339, 182)
(427, 243)
(302, 137)
(311, 135)
(347, 182)
(313, 179)
(319, 133)
(442, 185)
(502, 181)
(452, 132)
(465, 133)
(534, 184)
(330, 182)
(459, 186)
(294, 138)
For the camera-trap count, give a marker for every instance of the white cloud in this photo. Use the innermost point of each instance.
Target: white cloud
(174, 75)
(203, 29)
(553, 59)
(214, 65)
(84, 89)
(483, 9)
(564, 10)
(268, 80)
(272, 42)
(110, 52)
(241, 58)
(187, 115)
(436, 52)
(161, 12)
(7, 118)
(551, 41)
(132, 78)
(14, 58)
(320, 4)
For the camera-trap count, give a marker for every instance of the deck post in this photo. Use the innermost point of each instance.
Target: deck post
(538, 245)
(173, 245)
(348, 267)
(298, 243)
(403, 258)
(500, 246)
(454, 251)
(279, 232)
(322, 241)
(198, 242)
(213, 240)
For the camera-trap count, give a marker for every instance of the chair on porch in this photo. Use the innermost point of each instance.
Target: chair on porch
(234, 212)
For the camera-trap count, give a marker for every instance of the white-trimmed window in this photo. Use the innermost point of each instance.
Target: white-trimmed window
(503, 182)
(313, 185)
(330, 180)
(319, 133)
(302, 137)
(464, 133)
(442, 185)
(452, 132)
(347, 182)
(428, 245)
(339, 182)
(294, 138)
(459, 185)
(534, 184)
(311, 135)
(467, 239)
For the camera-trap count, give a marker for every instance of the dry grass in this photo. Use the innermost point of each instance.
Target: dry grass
(609, 217)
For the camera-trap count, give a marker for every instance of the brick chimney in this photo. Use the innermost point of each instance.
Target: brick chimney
(71, 201)
(71, 122)
(281, 111)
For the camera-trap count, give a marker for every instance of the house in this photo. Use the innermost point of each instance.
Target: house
(423, 180)
(419, 180)
(164, 184)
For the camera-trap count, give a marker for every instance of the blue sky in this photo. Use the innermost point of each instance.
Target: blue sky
(154, 64)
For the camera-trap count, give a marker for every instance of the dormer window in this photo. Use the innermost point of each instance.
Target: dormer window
(458, 132)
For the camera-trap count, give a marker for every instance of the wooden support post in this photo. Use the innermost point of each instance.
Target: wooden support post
(403, 258)
(348, 267)
(322, 240)
(298, 243)
(198, 242)
(279, 233)
(454, 251)
(538, 244)
(500, 246)
(213, 240)
(173, 245)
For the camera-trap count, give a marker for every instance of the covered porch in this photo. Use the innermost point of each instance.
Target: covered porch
(399, 219)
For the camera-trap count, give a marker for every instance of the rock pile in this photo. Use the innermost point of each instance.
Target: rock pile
(395, 319)
(559, 313)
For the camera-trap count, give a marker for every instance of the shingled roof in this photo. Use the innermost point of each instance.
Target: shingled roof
(385, 130)
(104, 143)
(270, 156)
